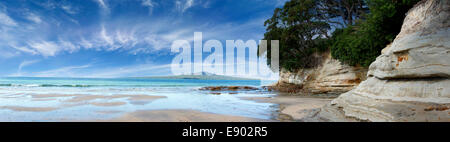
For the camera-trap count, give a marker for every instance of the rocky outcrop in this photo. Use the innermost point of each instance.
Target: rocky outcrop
(228, 88)
(331, 76)
(410, 80)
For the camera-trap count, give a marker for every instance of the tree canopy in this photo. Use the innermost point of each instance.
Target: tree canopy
(355, 31)
(299, 26)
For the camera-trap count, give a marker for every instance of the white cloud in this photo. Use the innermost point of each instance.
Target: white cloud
(150, 35)
(206, 4)
(48, 5)
(68, 46)
(69, 9)
(6, 20)
(7, 54)
(104, 36)
(149, 4)
(182, 6)
(135, 70)
(69, 71)
(26, 63)
(74, 21)
(46, 48)
(137, 39)
(88, 72)
(22, 65)
(102, 4)
(33, 17)
(86, 44)
(23, 49)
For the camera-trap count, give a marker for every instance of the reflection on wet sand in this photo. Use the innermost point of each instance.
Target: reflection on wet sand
(236, 106)
(181, 116)
(292, 108)
(29, 109)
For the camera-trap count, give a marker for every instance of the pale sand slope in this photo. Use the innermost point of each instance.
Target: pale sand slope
(293, 108)
(180, 116)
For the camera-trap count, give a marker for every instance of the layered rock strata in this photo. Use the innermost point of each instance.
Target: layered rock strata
(331, 76)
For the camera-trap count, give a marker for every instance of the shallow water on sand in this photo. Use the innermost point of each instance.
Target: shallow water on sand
(62, 99)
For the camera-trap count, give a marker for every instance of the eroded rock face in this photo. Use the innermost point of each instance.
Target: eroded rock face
(410, 80)
(330, 77)
(421, 49)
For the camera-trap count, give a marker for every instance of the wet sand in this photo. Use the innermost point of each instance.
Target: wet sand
(181, 116)
(290, 108)
(29, 109)
(106, 104)
(293, 108)
(82, 98)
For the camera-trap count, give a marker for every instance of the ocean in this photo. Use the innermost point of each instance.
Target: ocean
(81, 99)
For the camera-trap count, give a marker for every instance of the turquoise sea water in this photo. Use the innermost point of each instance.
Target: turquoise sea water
(52, 99)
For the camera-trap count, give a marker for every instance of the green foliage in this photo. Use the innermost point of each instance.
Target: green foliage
(300, 27)
(362, 43)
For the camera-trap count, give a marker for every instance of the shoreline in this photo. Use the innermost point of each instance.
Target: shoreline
(113, 108)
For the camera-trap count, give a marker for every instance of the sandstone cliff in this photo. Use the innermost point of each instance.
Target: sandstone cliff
(331, 77)
(410, 80)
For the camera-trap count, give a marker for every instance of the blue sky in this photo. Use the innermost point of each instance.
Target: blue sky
(116, 38)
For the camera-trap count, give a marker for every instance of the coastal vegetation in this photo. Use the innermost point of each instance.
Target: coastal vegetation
(354, 31)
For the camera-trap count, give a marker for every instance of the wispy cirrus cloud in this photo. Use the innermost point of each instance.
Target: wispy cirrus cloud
(124, 35)
(102, 4)
(34, 17)
(68, 71)
(183, 5)
(46, 48)
(6, 20)
(24, 64)
(149, 4)
(131, 71)
(69, 9)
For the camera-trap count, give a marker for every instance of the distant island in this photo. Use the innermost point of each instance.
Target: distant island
(200, 76)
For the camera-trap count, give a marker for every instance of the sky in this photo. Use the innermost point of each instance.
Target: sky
(116, 38)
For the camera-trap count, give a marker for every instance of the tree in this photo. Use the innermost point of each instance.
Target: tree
(300, 28)
(344, 12)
